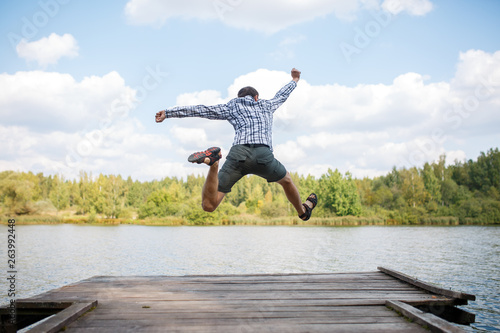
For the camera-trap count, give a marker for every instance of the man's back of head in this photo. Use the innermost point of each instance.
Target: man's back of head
(248, 91)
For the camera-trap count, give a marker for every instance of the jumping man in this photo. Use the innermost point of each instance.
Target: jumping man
(251, 153)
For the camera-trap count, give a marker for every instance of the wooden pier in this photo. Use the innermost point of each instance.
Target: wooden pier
(378, 301)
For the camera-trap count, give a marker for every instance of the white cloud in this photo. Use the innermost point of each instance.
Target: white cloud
(264, 80)
(25, 150)
(289, 152)
(478, 68)
(48, 50)
(186, 135)
(260, 15)
(49, 101)
(206, 97)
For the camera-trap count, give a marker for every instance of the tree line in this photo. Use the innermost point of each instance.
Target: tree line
(468, 191)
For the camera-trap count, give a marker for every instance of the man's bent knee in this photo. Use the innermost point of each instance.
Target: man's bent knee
(208, 207)
(210, 203)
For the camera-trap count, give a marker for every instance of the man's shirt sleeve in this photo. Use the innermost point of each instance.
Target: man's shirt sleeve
(282, 95)
(217, 112)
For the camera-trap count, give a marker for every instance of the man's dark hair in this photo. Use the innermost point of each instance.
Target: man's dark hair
(248, 91)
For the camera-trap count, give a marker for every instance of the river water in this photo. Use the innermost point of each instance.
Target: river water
(461, 258)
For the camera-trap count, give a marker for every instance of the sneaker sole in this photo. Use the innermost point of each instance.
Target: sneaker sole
(199, 157)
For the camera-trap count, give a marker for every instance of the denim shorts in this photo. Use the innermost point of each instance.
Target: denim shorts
(249, 159)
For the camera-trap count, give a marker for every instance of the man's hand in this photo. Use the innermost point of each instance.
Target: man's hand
(295, 74)
(160, 116)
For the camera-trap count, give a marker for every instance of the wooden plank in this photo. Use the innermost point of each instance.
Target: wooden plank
(278, 328)
(337, 298)
(106, 321)
(179, 301)
(278, 275)
(165, 285)
(189, 291)
(287, 286)
(63, 318)
(299, 285)
(262, 287)
(278, 285)
(166, 307)
(434, 323)
(427, 286)
(256, 302)
(256, 286)
(371, 276)
(348, 313)
(95, 319)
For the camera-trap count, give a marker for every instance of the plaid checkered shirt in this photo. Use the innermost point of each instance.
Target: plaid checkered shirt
(252, 120)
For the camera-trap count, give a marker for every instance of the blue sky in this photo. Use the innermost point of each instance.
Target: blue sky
(384, 82)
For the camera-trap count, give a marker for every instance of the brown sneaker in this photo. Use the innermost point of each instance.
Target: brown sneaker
(212, 153)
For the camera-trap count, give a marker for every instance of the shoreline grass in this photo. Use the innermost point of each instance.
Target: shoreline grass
(251, 220)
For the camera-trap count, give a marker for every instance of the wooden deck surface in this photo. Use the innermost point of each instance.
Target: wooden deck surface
(340, 302)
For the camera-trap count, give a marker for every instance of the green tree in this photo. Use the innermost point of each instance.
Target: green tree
(59, 192)
(111, 195)
(365, 190)
(490, 211)
(161, 203)
(134, 193)
(339, 194)
(393, 178)
(382, 195)
(439, 168)
(45, 184)
(449, 191)
(17, 192)
(413, 187)
(431, 183)
(485, 172)
(460, 173)
(254, 195)
(74, 193)
(88, 193)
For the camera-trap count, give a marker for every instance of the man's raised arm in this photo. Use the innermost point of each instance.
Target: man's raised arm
(217, 112)
(282, 95)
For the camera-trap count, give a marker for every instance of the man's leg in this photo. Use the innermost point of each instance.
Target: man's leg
(292, 194)
(210, 196)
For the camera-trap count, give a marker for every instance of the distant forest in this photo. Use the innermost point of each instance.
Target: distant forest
(466, 192)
